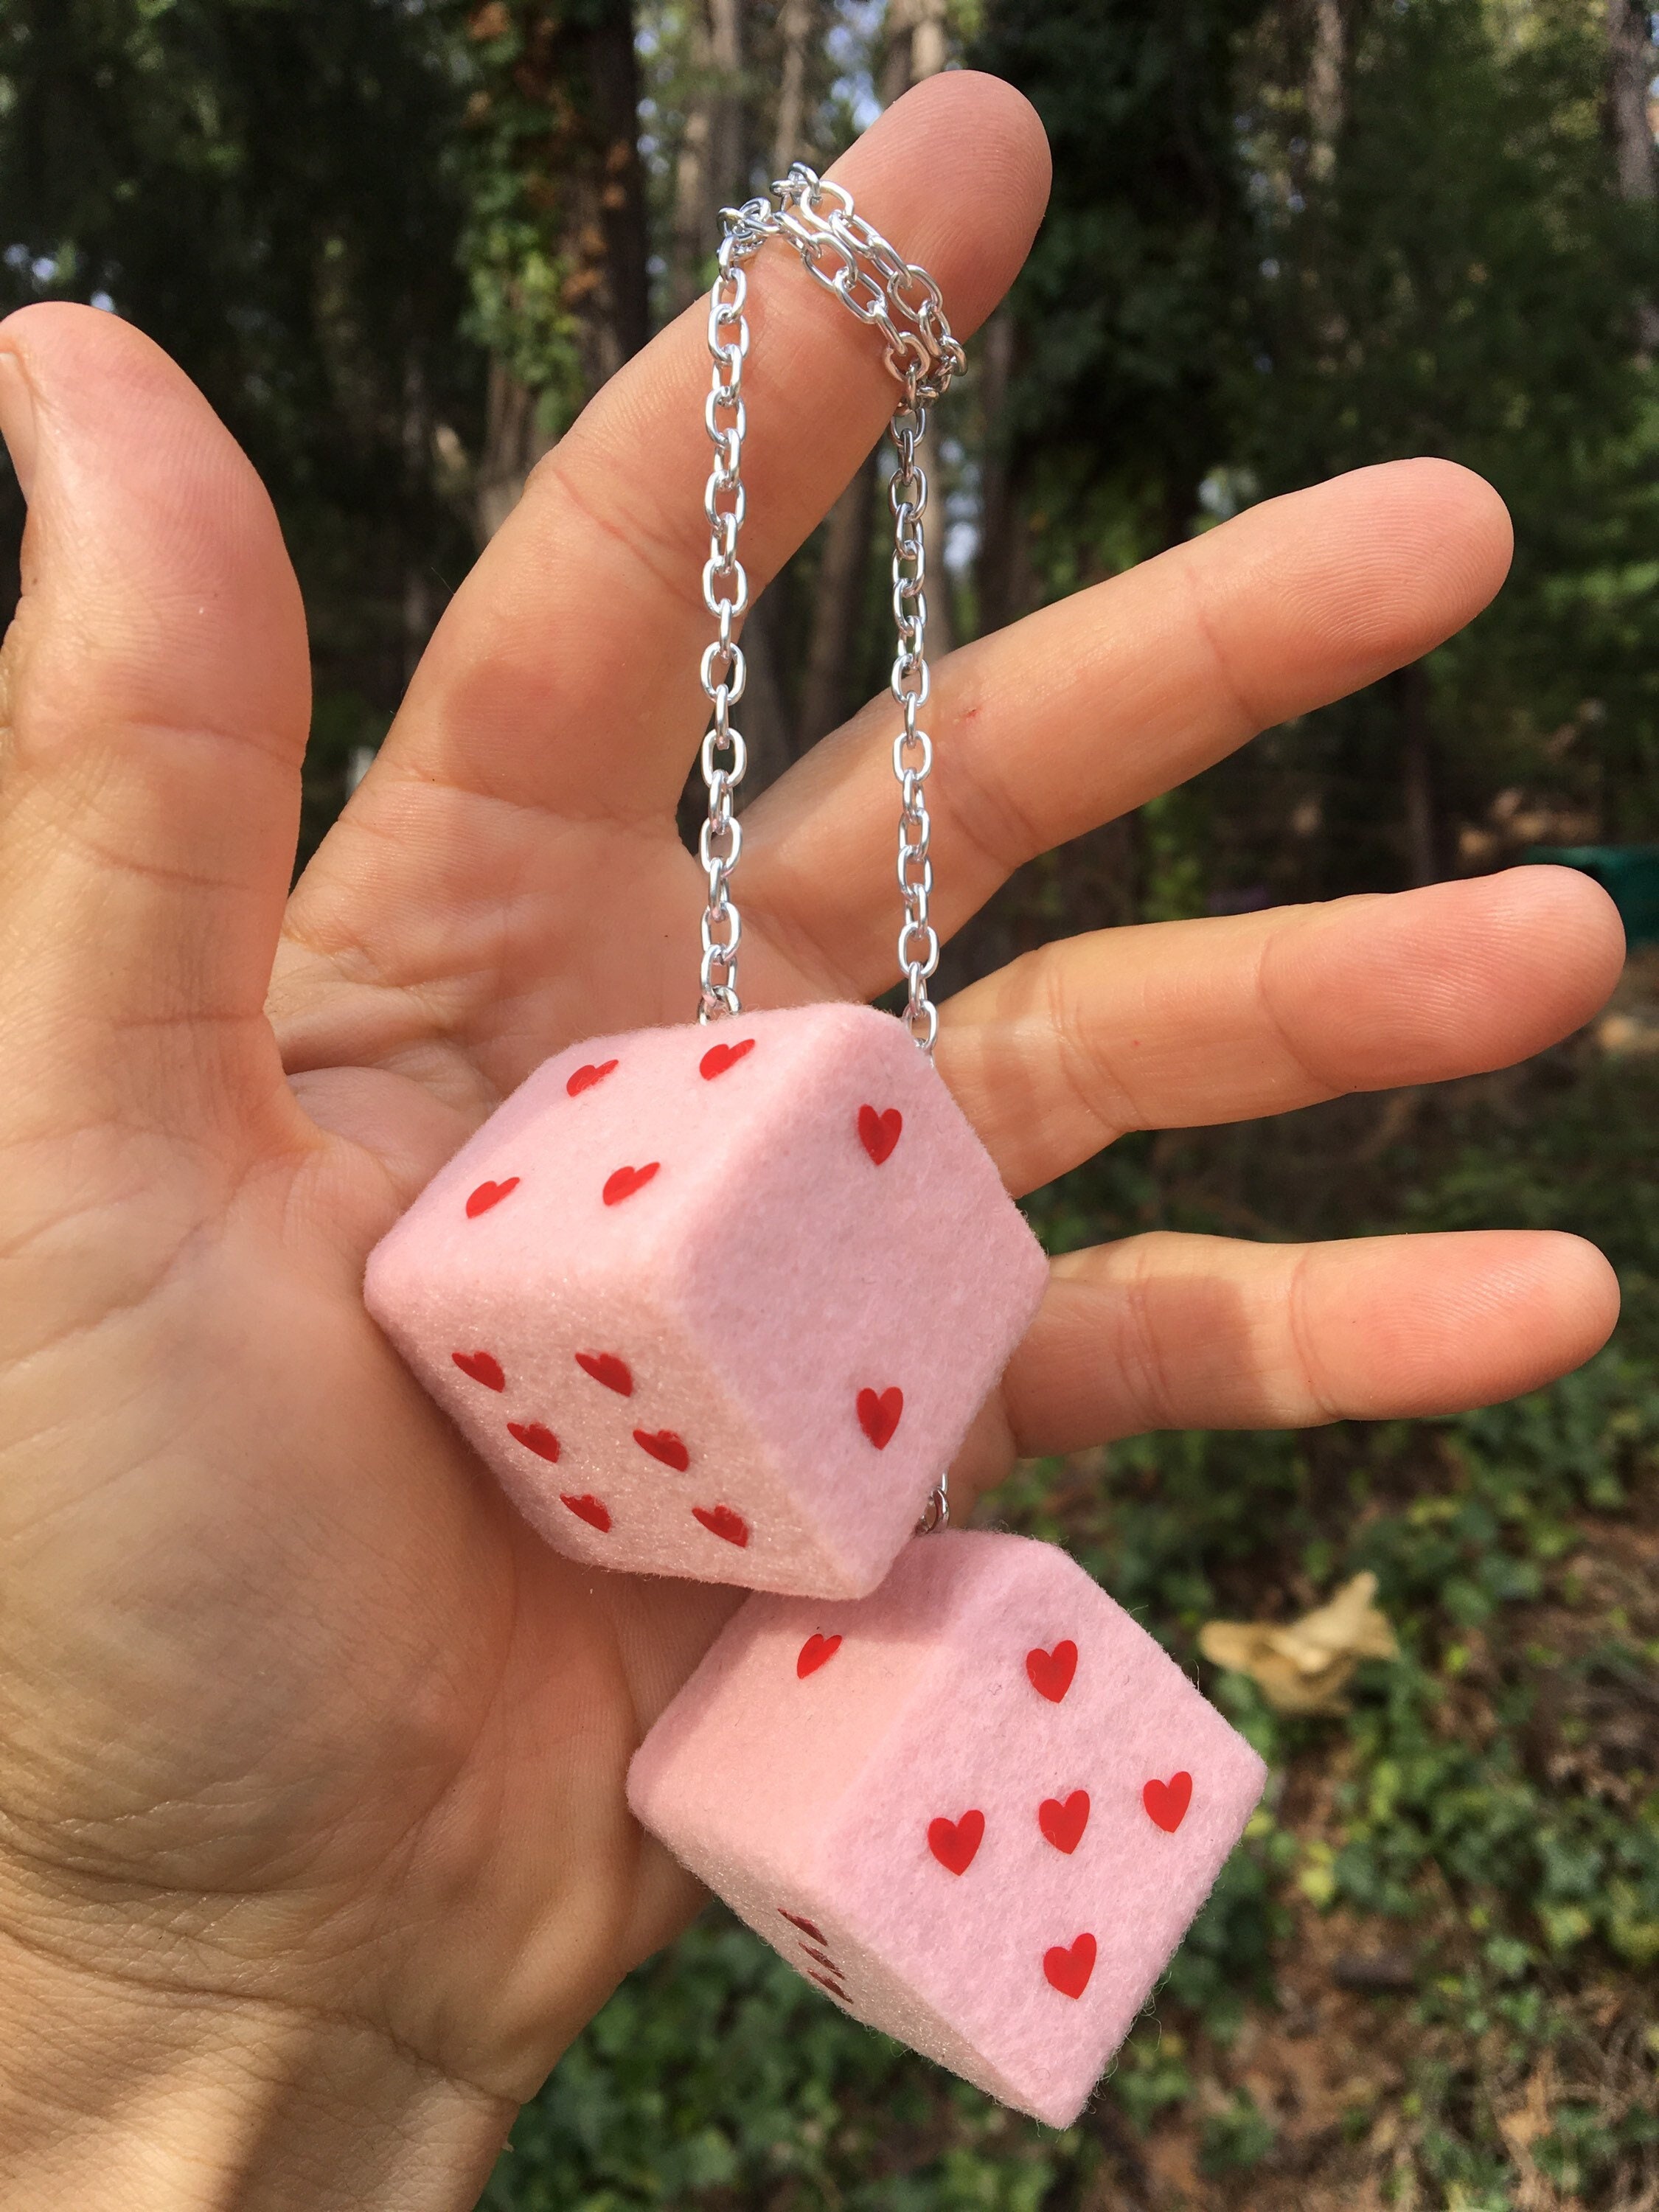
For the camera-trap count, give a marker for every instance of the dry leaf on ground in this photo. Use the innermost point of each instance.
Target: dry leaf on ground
(1303, 1666)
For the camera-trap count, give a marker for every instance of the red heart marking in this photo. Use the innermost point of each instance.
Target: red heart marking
(488, 1194)
(1051, 1672)
(720, 1521)
(1167, 1801)
(805, 1926)
(664, 1445)
(627, 1181)
(591, 1510)
(534, 1437)
(586, 1077)
(606, 1367)
(1063, 1820)
(953, 1843)
(482, 1366)
(880, 1132)
(1069, 1971)
(816, 1652)
(720, 1057)
(878, 1414)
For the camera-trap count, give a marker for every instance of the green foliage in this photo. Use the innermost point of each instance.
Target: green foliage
(1464, 281)
(1245, 285)
(217, 169)
(1463, 278)
(718, 2074)
(1128, 307)
(270, 189)
(535, 165)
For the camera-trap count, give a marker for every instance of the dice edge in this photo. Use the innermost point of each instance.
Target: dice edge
(885, 1532)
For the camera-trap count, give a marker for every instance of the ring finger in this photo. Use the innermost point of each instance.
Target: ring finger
(1177, 1024)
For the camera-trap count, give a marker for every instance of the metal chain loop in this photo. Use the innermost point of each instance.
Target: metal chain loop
(901, 302)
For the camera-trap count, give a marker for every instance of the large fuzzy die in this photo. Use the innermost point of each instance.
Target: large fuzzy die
(979, 1808)
(718, 1302)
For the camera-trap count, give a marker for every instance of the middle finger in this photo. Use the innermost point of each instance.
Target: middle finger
(1088, 708)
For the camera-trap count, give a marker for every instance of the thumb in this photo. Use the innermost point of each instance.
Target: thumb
(153, 705)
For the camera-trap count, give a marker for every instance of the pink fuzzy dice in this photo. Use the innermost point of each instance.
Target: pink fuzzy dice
(718, 1302)
(979, 1808)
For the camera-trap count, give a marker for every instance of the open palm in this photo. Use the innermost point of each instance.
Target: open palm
(296, 1718)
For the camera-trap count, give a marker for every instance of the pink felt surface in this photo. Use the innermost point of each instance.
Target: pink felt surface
(794, 1244)
(912, 1794)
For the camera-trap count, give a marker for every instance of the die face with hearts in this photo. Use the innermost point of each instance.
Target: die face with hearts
(746, 1285)
(998, 1873)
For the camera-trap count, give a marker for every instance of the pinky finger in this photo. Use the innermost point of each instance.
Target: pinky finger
(1167, 1331)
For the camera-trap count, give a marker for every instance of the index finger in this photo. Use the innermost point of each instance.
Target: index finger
(564, 675)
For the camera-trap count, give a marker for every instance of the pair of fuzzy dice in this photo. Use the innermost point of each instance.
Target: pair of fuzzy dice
(979, 1808)
(719, 1302)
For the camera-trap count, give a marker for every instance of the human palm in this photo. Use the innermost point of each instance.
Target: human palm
(295, 1715)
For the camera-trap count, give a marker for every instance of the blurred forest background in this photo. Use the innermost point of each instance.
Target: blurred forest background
(398, 243)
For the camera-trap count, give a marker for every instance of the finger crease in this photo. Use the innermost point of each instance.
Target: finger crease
(663, 560)
(1250, 719)
(1281, 1031)
(1146, 1374)
(1303, 1340)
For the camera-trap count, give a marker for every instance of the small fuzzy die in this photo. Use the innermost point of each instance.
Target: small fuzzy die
(718, 1302)
(978, 1808)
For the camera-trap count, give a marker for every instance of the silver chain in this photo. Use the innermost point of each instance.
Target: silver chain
(902, 301)
(725, 595)
(912, 749)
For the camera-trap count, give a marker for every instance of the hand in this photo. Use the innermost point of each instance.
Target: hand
(314, 1851)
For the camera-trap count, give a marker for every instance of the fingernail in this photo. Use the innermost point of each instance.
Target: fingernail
(17, 418)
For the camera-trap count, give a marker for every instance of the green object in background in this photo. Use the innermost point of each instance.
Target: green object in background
(1628, 873)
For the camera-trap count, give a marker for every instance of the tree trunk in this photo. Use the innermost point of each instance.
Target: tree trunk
(928, 56)
(915, 47)
(713, 173)
(690, 240)
(513, 442)
(580, 180)
(728, 163)
(918, 45)
(1629, 70)
(941, 617)
(713, 169)
(798, 30)
(612, 201)
(1001, 570)
(1326, 88)
(419, 607)
(1631, 61)
(826, 694)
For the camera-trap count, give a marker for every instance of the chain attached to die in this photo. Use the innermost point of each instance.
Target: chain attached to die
(901, 302)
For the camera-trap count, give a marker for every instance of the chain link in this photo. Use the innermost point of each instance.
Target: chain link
(912, 749)
(902, 303)
(725, 595)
